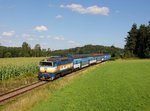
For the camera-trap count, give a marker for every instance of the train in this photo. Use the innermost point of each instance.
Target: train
(54, 67)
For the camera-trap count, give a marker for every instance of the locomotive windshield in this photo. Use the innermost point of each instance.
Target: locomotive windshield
(46, 63)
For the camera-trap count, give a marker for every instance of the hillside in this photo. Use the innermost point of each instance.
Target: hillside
(87, 49)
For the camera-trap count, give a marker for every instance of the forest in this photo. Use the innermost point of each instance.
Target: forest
(138, 42)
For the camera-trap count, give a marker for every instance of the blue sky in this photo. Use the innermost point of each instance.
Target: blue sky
(60, 24)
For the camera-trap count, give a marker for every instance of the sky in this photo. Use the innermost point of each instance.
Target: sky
(62, 24)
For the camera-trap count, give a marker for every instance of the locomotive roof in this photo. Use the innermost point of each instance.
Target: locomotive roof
(53, 59)
(85, 55)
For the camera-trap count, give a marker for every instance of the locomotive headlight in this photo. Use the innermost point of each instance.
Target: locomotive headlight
(42, 69)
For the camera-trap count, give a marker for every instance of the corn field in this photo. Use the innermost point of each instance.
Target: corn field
(13, 67)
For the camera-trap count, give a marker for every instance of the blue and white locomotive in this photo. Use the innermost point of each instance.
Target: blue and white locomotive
(53, 67)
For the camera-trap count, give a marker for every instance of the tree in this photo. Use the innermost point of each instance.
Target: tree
(141, 41)
(138, 41)
(37, 50)
(26, 50)
(2, 51)
(147, 49)
(7, 54)
(131, 40)
(48, 52)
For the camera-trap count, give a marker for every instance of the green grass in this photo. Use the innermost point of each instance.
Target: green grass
(122, 85)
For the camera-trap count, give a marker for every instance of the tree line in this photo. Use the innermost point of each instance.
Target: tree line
(138, 41)
(24, 51)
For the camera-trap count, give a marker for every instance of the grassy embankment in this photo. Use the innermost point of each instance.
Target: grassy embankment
(15, 72)
(122, 85)
(115, 86)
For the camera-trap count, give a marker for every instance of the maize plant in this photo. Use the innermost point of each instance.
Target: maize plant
(13, 67)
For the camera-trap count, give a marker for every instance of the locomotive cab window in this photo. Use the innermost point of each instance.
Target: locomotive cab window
(46, 64)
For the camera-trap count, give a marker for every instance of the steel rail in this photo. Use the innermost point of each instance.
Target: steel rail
(18, 91)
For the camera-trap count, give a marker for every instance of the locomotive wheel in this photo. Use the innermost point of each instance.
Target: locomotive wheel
(62, 74)
(41, 78)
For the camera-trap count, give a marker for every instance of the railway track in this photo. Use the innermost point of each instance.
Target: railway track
(21, 90)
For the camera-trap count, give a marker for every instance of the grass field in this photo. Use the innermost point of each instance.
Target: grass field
(122, 85)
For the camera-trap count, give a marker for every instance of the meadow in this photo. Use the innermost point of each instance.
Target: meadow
(114, 86)
(15, 72)
(121, 85)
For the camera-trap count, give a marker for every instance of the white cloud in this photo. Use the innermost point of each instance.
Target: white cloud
(49, 37)
(87, 10)
(71, 42)
(10, 43)
(60, 38)
(41, 36)
(41, 28)
(59, 16)
(44, 45)
(74, 43)
(62, 6)
(26, 35)
(8, 34)
(30, 39)
(7, 41)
